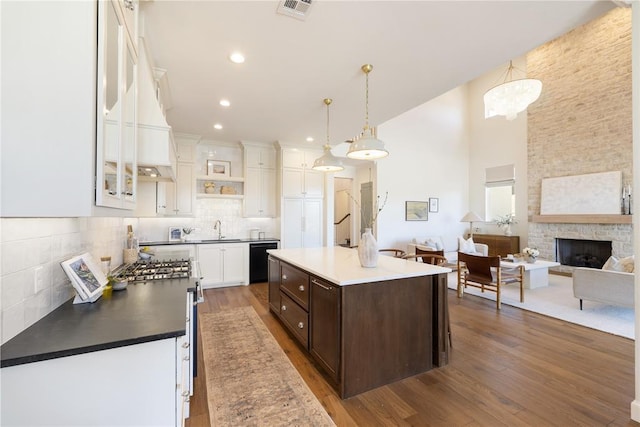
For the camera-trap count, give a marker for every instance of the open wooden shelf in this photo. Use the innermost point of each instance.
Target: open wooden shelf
(582, 219)
(218, 196)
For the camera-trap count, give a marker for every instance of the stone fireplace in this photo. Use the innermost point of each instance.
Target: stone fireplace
(582, 252)
(544, 236)
(578, 128)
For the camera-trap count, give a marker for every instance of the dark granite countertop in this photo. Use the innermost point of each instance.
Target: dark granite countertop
(208, 241)
(143, 312)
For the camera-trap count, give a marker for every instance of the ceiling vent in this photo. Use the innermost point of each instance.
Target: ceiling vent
(295, 8)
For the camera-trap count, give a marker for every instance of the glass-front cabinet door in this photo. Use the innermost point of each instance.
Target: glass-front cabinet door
(117, 103)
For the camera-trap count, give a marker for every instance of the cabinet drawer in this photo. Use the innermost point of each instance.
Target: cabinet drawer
(296, 284)
(295, 318)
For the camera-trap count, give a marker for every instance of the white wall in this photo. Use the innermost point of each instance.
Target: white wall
(429, 157)
(496, 142)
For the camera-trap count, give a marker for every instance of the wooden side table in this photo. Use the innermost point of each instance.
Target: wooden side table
(499, 244)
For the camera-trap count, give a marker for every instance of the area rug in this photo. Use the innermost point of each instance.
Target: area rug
(250, 380)
(557, 300)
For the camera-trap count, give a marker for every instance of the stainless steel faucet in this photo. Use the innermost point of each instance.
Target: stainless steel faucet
(218, 226)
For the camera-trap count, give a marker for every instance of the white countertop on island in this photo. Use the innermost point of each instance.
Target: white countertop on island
(341, 266)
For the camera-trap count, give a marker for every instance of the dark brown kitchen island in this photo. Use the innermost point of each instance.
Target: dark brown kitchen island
(366, 327)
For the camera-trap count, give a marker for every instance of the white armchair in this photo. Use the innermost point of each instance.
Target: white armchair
(450, 246)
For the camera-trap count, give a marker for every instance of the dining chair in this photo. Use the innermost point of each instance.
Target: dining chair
(435, 257)
(397, 253)
(485, 273)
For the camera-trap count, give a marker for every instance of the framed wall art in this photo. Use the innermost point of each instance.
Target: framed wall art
(416, 211)
(218, 168)
(434, 204)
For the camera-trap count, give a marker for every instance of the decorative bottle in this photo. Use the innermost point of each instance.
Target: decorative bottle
(368, 249)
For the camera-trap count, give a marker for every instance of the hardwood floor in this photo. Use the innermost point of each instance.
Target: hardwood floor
(510, 368)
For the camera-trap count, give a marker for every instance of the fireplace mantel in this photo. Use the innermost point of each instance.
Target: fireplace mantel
(582, 219)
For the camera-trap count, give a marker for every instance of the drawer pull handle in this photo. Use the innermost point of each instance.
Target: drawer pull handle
(185, 393)
(326, 288)
(300, 325)
(301, 288)
(284, 308)
(185, 358)
(185, 345)
(284, 277)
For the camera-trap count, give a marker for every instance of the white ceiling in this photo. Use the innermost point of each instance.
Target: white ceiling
(419, 50)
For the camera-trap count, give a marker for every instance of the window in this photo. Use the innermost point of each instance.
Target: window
(500, 194)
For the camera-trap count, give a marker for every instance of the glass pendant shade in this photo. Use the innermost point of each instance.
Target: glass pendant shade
(511, 97)
(367, 147)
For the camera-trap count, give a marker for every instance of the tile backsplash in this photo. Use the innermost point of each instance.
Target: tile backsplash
(32, 282)
(207, 211)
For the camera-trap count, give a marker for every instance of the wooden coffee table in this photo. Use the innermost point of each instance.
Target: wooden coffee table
(536, 275)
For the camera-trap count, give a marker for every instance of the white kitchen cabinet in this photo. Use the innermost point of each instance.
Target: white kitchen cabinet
(260, 193)
(130, 10)
(302, 183)
(178, 198)
(117, 125)
(259, 156)
(49, 118)
(223, 264)
(260, 181)
(302, 223)
(123, 386)
(298, 179)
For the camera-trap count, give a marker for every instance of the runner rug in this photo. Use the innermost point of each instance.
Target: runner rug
(250, 380)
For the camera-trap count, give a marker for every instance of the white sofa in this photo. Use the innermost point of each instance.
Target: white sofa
(604, 286)
(450, 245)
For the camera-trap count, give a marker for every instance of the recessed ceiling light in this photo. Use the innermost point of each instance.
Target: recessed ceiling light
(237, 57)
(217, 126)
(225, 102)
(309, 139)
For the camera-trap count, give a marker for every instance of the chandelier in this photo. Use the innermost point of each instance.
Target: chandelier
(512, 96)
(327, 162)
(367, 146)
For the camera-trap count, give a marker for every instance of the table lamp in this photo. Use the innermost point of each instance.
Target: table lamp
(471, 217)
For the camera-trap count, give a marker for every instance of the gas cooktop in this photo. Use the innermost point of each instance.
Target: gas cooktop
(156, 270)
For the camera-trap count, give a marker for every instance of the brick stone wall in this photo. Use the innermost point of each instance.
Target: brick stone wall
(582, 121)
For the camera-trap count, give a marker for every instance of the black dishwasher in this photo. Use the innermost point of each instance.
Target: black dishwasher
(258, 262)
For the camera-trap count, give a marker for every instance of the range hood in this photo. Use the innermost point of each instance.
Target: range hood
(156, 148)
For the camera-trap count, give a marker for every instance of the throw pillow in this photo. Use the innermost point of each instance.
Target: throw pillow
(433, 244)
(610, 263)
(625, 265)
(466, 246)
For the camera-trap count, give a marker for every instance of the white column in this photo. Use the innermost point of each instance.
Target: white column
(635, 99)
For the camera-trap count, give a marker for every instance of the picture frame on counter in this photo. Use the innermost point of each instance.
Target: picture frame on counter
(218, 168)
(86, 276)
(175, 234)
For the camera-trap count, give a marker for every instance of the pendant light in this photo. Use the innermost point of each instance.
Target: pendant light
(511, 97)
(327, 162)
(367, 147)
